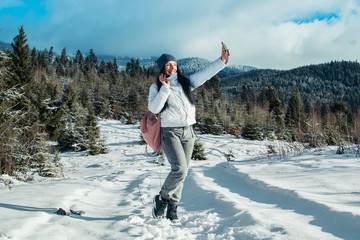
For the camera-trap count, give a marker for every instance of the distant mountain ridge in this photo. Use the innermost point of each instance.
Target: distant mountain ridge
(321, 83)
(186, 65)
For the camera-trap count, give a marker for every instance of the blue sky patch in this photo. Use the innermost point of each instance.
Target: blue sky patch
(318, 16)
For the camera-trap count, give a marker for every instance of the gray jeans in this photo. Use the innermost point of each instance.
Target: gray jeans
(178, 145)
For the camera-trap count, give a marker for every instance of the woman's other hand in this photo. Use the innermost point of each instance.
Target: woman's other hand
(162, 79)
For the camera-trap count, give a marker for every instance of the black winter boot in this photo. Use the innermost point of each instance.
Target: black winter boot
(172, 213)
(159, 207)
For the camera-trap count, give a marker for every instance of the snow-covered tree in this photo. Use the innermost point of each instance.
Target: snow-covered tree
(96, 144)
(199, 151)
(295, 116)
(252, 130)
(21, 67)
(21, 131)
(275, 111)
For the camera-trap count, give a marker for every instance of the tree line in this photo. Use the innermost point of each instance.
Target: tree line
(316, 103)
(46, 96)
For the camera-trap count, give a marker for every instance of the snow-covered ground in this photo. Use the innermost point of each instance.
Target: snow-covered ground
(313, 195)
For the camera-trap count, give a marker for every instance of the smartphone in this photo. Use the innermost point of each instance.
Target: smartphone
(227, 52)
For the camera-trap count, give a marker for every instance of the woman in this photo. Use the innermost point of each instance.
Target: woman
(172, 96)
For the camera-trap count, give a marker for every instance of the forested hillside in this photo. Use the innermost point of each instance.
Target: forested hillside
(311, 103)
(44, 96)
(317, 83)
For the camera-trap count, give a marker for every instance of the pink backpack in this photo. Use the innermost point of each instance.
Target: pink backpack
(150, 130)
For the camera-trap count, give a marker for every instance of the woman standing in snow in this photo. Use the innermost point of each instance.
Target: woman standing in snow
(171, 95)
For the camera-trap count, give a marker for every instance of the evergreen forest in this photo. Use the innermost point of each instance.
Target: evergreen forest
(53, 98)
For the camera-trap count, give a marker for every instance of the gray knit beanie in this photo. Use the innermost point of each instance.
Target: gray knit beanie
(163, 59)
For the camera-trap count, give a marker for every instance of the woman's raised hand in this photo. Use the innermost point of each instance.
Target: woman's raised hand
(162, 79)
(225, 53)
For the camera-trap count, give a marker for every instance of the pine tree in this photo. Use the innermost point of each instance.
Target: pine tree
(62, 63)
(6, 117)
(42, 56)
(102, 69)
(113, 71)
(247, 97)
(92, 62)
(96, 143)
(23, 136)
(92, 135)
(34, 59)
(213, 87)
(63, 121)
(51, 55)
(252, 130)
(275, 106)
(133, 67)
(209, 125)
(295, 117)
(79, 62)
(106, 110)
(22, 77)
(341, 112)
(244, 95)
(21, 67)
(64, 129)
(199, 151)
(49, 61)
(262, 97)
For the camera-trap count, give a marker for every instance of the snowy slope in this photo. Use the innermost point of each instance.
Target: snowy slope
(313, 195)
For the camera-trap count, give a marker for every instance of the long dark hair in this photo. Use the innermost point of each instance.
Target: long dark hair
(185, 84)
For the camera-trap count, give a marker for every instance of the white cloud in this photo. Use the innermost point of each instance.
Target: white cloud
(273, 40)
(267, 34)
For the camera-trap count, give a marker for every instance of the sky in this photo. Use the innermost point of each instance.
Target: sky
(276, 34)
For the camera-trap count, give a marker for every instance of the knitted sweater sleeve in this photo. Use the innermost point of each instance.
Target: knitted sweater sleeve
(157, 99)
(199, 78)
